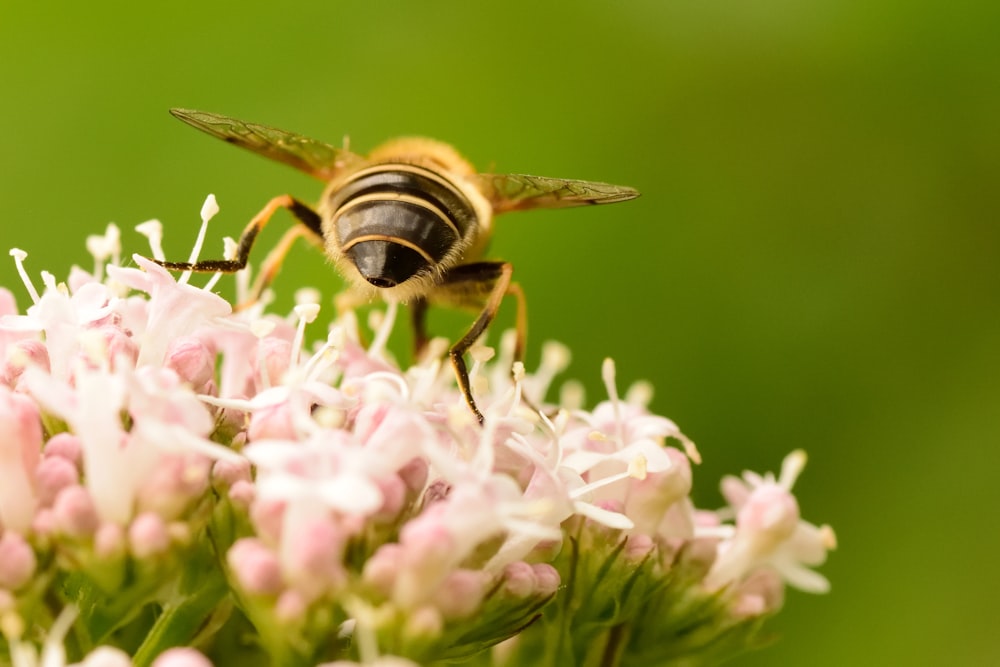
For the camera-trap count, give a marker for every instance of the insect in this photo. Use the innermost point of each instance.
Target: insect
(408, 223)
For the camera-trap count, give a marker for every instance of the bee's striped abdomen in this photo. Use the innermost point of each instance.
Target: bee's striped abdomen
(394, 221)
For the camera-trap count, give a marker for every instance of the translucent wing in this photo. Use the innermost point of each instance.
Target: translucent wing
(519, 192)
(316, 158)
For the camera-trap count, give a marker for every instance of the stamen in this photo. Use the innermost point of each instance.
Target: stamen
(480, 355)
(306, 313)
(640, 393)
(391, 378)
(261, 329)
(828, 537)
(53, 651)
(572, 395)
(153, 231)
(241, 404)
(555, 359)
(49, 281)
(104, 246)
(208, 211)
(608, 375)
(307, 295)
(19, 257)
(383, 329)
(229, 248)
(791, 468)
(518, 374)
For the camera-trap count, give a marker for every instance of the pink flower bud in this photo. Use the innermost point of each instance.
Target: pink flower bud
(65, 445)
(428, 554)
(121, 347)
(181, 657)
(273, 421)
(461, 594)
(291, 606)
(698, 556)
(109, 541)
(268, 517)
(174, 484)
(74, 512)
(414, 475)
(762, 592)
(423, 623)
(53, 474)
(191, 359)
(548, 579)
(314, 561)
(393, 497)
(273, 354)
(228, 473)
(17, 561)
(382, 568)
(242, 494)
(148, 536)
(519, 580)
(638, 547)
(255, 566)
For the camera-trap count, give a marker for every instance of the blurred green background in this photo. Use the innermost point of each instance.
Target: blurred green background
(813, 262)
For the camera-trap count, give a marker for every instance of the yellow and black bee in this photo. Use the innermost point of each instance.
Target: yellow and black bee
(409, 223)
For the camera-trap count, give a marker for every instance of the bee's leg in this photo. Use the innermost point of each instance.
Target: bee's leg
(520, 321)
(272, 263)
(484, 284)
(418, 316)
(312, 225)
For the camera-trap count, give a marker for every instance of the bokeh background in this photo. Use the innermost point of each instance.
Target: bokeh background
(813, 262)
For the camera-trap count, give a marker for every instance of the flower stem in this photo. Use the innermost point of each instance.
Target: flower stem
(181, 619)
(615, 646)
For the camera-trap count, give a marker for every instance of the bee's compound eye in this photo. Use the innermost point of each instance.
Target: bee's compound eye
(384, 263)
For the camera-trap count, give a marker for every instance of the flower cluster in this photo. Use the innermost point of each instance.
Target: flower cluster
(177, 474)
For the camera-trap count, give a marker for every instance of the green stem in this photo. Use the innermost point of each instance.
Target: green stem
(180, 621)
(615, 646)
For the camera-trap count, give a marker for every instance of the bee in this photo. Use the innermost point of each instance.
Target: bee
(408, 223)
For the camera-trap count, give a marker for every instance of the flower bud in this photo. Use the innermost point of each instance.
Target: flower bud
(461, 594)
(255, 566)
(271, 362)
(53, 474)
(291, 606)
(109, 541)
(313, 561)
(547, 578)
(106, 656)
(148, 536)
(181, 657)
(74, 512)
(191, 359)
(66, 445)
(17, 561)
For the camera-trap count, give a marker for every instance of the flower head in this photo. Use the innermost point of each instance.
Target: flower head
(174, 467)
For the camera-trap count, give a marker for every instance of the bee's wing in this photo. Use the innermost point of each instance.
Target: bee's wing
(314, 157)
(519, 192)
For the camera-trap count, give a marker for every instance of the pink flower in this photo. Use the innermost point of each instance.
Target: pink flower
(769, 532)
(174, 309)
